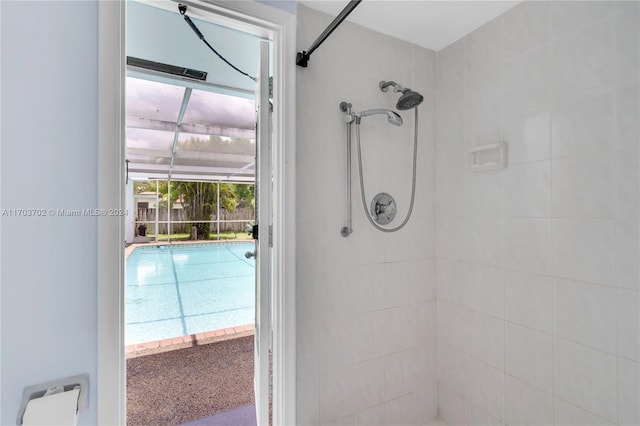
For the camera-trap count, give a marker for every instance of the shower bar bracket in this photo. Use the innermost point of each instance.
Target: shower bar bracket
(302, 58)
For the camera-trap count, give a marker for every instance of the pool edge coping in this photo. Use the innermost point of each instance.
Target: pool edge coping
(130, 248)
(181, 342)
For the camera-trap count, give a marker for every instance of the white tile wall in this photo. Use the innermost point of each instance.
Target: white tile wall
(481, 52)
(586, 314)
(452, 233)
(627, 46)
(566, 17)
(529, 356)
(584, 250)
(526, 78)
(529, 135)
(628, 311)
(529, 245)
(557, 341)
(369, 384)
(527, 405)
(371, 335)
(453, 281)
(535, 268)
(529, 300)
(485, 290)
(582, 60)
(525, 28)
(485, 339)
(567, 414)
(409, 282)
(477, 416)
(374, 416)
(366, 304)
(585, 377)
(527, 190)
(336, 390)
(402, 411)
(585, 128)
(486, 388)
(485, 240)
(452, 371)
(629, 392)
(451, 406)
(583, 187)
(401, 378)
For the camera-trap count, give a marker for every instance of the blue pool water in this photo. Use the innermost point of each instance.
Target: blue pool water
(177, 290)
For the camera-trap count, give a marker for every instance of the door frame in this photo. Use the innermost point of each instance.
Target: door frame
(279, 26)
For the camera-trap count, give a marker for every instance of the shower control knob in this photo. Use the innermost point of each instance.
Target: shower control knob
(250, 254)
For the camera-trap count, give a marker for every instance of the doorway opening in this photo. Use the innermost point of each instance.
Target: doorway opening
(254, 18)
(197, 335)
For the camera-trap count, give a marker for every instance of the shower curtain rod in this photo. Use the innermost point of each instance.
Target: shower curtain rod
(302, 58)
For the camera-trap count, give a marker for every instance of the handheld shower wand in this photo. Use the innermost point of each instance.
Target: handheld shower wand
(392, 116)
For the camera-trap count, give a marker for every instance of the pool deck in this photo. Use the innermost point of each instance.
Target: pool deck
(181, 342)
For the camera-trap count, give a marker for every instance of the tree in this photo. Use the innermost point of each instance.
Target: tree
(199, 203)
(199, 199)
(246, 195)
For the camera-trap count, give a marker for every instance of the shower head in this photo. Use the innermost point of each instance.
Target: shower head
(409, 98)
(392, 116)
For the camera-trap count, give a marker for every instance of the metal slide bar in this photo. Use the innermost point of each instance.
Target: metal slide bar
(302, 58)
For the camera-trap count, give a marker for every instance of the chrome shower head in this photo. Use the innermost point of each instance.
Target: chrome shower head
(409, 98)
(393, 117)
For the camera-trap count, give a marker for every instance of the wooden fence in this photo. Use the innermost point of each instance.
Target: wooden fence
(235, 221)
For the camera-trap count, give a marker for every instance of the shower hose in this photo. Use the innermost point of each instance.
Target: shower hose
(413, 180)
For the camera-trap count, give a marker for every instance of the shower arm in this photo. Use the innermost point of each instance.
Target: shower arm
(346, 230)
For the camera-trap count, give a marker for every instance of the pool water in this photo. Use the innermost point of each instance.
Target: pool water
(176, 290)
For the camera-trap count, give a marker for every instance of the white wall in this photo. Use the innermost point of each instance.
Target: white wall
(366, 319)
(49, 154)
(538, 284)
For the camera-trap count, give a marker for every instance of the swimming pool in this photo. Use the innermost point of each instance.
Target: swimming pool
(176, 290)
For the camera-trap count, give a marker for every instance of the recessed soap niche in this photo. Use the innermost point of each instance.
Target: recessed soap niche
(489, 157)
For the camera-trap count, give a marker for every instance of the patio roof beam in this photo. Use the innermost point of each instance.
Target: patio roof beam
(161, 77)
(191, 155)
(183, 110)
(196, 129)
(142, 167)
(191, 177)
(240, 170)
